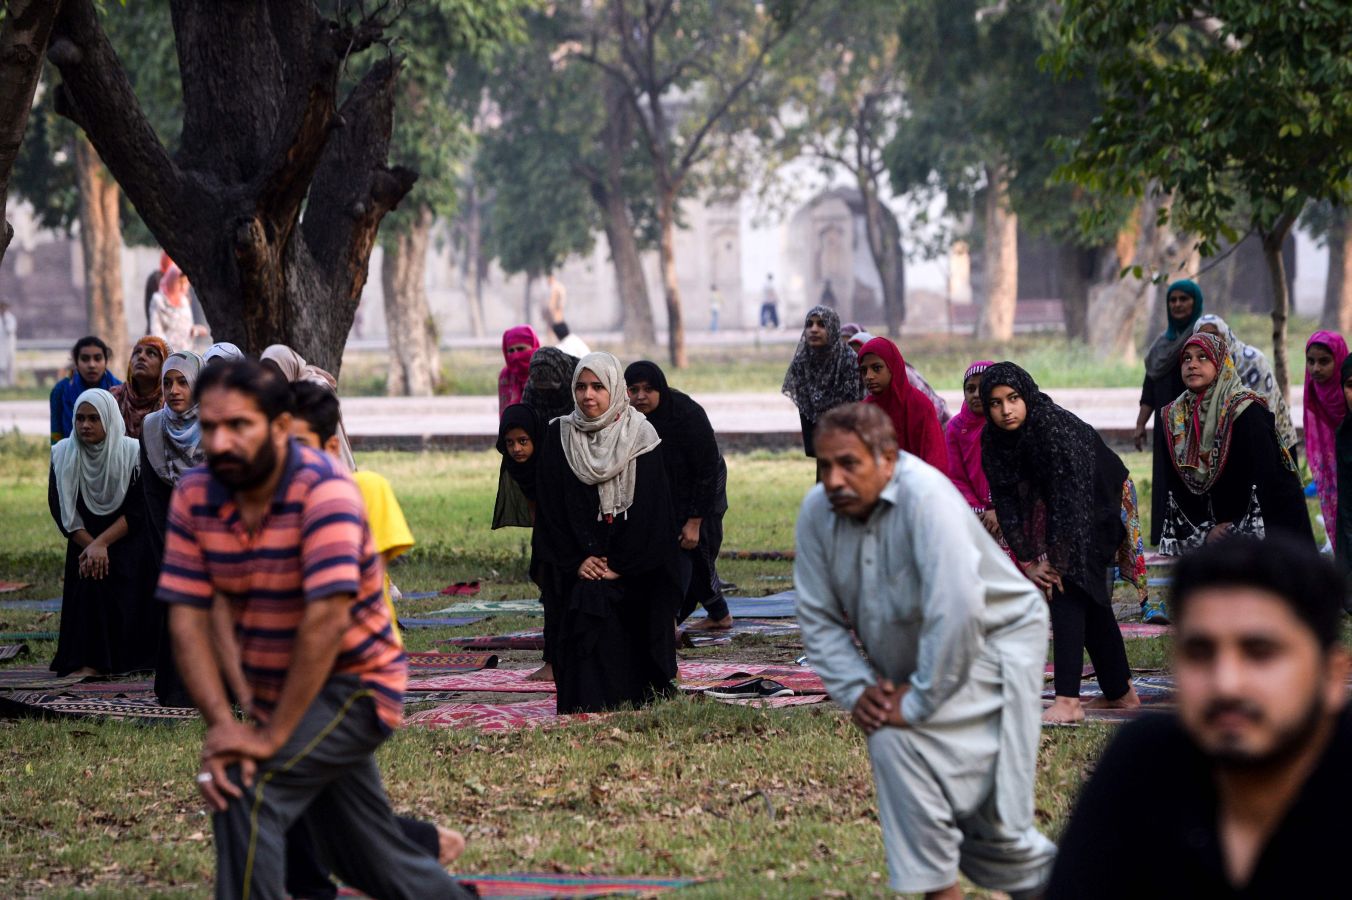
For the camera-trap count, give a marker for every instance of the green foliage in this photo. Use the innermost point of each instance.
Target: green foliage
(1252, 106)
(977, 96)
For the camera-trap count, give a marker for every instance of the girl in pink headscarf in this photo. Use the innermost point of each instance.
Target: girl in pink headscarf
(963, 435)
(1325, 409)
(518, 344)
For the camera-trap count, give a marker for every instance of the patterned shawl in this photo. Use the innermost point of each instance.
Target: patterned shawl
(822, 378)
(1043, 478)
(602, 451)
(133, 406)
(549, 389)
(1199, 426)
(1255, 373)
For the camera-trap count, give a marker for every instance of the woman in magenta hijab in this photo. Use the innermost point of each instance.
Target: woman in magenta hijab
(963, 435)
(1325, 409)
(518, 344)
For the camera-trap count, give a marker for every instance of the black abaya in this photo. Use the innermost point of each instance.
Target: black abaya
(1156, 393)
(169, 687)
(111, 624)
(616, 642)
(1254, 469)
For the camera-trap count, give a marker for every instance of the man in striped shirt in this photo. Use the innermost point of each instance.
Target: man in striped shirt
(275, 534)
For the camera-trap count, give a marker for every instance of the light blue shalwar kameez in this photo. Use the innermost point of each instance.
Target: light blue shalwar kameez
(938, 606)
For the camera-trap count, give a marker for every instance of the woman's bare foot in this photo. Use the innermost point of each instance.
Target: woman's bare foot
(722, 624)
(1129, 700)
(450, 845)
(1063, 711)
(544, 673)
(87, 672)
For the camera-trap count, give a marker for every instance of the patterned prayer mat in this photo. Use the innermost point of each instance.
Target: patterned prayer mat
(774, 702)
(1138, 630)
(34, 678)
(1049, 672)
(8, 586)
(438, 622)
(540, 713)
(516, 640)
(507, 681)
(13, 651)
(28, 635)
(756, 554)
(799, 680)
(693, 676)
(52, 605)
(530, 886)
(774, 606)
(37, 703)
(493, 608)
(1157, 559)
(427, 663)
(769, 627)
(1154, 690)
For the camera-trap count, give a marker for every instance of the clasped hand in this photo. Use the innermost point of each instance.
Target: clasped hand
(94, 561)
(879, 705)
(229, 743)
(596, 568)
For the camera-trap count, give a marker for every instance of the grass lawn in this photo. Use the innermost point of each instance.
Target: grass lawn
(777, 803)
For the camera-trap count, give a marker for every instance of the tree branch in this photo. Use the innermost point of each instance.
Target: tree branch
(96, 95)
(23, 40)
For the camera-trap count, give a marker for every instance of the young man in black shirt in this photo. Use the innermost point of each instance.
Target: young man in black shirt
(1248, 785)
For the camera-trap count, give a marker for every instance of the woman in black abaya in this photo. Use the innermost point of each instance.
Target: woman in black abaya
(603, 529)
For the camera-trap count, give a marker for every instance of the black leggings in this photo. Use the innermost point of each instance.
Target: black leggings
(1081, 623)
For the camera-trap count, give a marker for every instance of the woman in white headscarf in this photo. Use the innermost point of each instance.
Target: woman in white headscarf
(171, 444)
(294, 368)
(222, 351)
(107, 609)
(602, 542)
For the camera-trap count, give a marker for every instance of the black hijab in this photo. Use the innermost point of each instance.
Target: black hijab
(1056, 487)
(694, 463)
(549, 386)
(519, 415)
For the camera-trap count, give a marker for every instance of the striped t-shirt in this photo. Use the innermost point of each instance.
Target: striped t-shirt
(314, 543)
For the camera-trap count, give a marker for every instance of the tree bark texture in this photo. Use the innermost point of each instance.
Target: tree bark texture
(1281, 297)
(666, 220)
(996, 321)
(101, 243)
(1338, 288)
(471, 269)
(607, 190)
(264, 139)
(1075, 269)
(23, 42)
(884, 244)
(414, 360)
(1116, 305)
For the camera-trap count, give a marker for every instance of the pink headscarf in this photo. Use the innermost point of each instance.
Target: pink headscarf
(963, 435)
(512, 378)
(1325, 410)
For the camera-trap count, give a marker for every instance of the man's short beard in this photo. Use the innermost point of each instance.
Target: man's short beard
(1289, 744)
(252, 472)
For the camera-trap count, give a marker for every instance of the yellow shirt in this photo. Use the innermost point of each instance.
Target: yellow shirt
(389, 529)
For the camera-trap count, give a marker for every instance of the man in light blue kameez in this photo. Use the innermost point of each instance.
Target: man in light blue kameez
(948, 684)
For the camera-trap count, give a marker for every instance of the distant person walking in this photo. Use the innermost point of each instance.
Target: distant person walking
(557, 300)
(769, 311)
(828, 297)
(9, 345)
(171, 312)
(715, 307)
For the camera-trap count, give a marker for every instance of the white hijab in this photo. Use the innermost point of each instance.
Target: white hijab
(224, 351)
(97, 473)
(602, 451)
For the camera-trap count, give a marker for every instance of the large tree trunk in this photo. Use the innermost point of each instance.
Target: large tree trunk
(996, 319)
(1338, 289)
(1116, 306)
(471, 269)
(1281, 297)
(884, 244)
(23, 42)
(414, 361)
(1075, 266)
(101, 242)
(264, 139)
(666, 220)
(607, 190)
